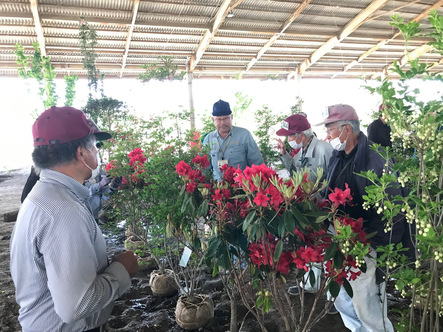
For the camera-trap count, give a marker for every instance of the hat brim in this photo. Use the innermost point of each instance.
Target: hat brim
(102, 135)
(284, 132)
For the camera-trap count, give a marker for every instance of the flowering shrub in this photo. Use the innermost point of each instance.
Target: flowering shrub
(417, 126)
(274, 227)
(144, 153)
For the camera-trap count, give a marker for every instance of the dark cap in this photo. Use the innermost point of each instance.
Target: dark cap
(296, 123)
(59, 125)
(221, 108)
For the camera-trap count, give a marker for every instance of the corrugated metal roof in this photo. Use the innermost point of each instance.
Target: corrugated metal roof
(257, 39)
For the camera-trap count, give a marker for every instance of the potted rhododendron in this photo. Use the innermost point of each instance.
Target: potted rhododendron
(193, 310)
(264, 227)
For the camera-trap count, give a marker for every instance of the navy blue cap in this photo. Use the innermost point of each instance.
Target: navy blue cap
(221, 108)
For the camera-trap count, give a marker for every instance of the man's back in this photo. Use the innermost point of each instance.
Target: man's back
(54, 231)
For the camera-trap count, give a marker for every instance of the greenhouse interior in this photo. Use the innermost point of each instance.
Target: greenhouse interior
(221, 165)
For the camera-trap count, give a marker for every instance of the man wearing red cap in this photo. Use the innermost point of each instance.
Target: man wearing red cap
(59, 264)
(367, 309)
(313, 155)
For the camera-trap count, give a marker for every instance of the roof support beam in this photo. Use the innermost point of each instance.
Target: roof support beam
(334, 41)
(382, 43)
(38, 27)
(222, 12)
(405, 59)
(286, 25)
(128, 39)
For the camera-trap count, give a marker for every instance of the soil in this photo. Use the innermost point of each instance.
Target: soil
(139, 309)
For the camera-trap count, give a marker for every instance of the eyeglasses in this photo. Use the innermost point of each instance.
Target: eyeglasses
(226, 118)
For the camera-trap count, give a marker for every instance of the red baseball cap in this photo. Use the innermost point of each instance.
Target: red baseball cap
(296, 123)
(59, 125)
(339, 112)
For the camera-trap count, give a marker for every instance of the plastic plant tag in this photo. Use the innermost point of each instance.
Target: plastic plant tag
(185, 257)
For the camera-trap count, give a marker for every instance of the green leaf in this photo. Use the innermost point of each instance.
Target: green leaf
(248, 220)
(289, 221)
(300, 217)
(281, 229)
(363, 267)
(338, 259)
(348, 287)
(334, 288)
(311, 277)
(185, 203)
(330, 252)
(278, 251)
(203, 208)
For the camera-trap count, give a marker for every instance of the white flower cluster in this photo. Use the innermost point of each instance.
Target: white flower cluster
(410, 217)
(423, 226)
(439, 255)
(359, 261)
(346, 248)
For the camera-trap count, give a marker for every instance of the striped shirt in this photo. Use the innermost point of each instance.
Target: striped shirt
(238, 148)
(58, 260)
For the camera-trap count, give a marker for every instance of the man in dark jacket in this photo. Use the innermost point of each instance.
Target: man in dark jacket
(367, 309)
(378, 131)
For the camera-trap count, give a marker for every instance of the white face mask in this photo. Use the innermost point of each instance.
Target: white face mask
(293, 144)
(96, 171)
(337, 144)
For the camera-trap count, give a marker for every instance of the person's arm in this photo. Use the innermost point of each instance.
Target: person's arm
(80, 284)
(253, 154)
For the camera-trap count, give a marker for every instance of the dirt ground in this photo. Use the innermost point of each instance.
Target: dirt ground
(138, 310)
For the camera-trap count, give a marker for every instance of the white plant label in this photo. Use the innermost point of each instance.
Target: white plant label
(185, 257)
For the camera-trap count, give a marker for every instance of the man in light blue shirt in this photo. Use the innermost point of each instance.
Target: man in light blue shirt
(229, 144)
(59, 265)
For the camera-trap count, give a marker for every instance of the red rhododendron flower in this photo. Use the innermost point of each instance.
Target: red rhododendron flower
(217, 195)
(228, 173)
(276, 197)
(261, 200)
(137, 157)
(226, 193)
(340, 197)
(196, 139)
(183, 169)
(111, 165)
(201, 160)
(284, 262)
(190, 187)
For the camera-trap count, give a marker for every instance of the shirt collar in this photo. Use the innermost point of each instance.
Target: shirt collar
(230, 133)
(51, 176)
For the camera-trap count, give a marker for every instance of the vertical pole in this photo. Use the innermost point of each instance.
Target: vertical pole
(191, 97)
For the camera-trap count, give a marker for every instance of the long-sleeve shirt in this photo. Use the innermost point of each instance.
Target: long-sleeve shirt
(58, 260)
(314, 156)
(238, 148)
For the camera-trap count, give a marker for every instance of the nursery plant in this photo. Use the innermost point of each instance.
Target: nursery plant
(418, 126)
(39, 68)
(163, 70)
(263, 228)
(144, 153)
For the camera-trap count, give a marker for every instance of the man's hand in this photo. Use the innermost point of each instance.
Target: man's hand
(129, 260)
(116, 183)
(280, 146)
(104, 181)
